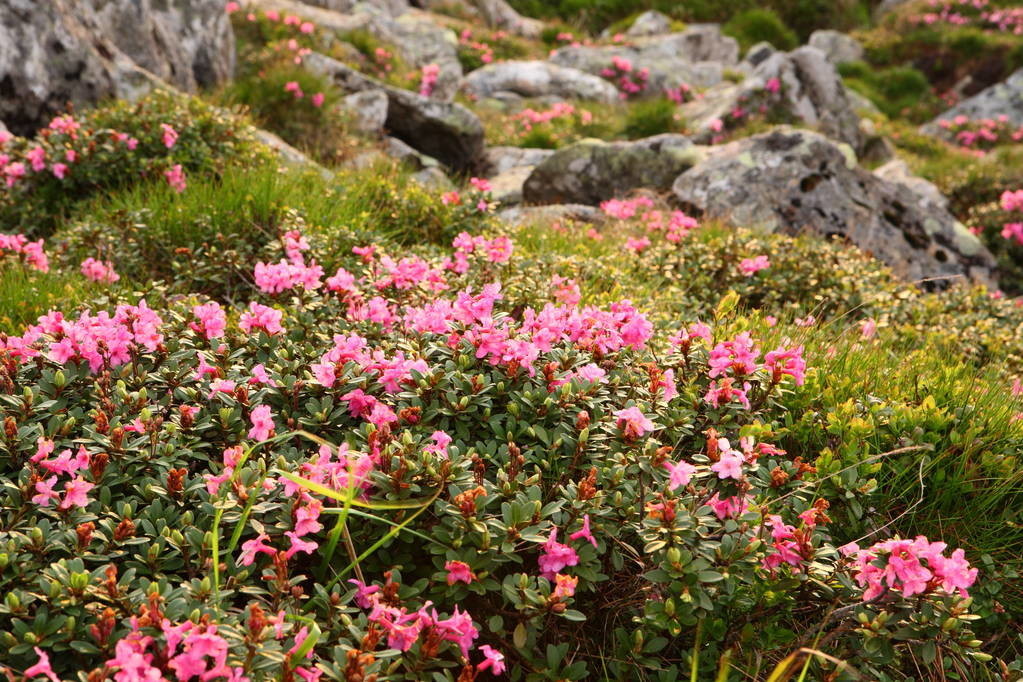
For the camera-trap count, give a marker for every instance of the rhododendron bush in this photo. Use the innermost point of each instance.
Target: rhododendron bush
(386, 471)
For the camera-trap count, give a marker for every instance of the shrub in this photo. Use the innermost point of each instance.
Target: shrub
(118, 146)
(651, 117)
(756, 25)
(899, 92)
(580, 483)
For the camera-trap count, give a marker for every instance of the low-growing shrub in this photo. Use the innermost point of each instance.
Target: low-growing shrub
(755, 25)
(256, 492)
(163, 137)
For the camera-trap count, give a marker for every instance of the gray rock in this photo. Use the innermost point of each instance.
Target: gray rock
(758, 54)
(444, 130)
(592, 171)
(433, 178)
(536, 215)
(839, 47)
(187, 43)
(538, 79)
(60, 51)
(326, 14)
(287, 154)
(506, 187)
(898, 171)
(392, 7)
(1003, 99)
(398, 150)
(795, 181)
(811, 91)
(368, 110)
(696, 57)
(499, 14)
(650, 23)
(501, 159)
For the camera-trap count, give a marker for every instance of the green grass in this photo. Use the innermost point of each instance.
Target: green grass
(25, 294)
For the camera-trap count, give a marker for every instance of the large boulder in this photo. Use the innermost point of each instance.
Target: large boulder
(838, 47)
(499, 14)
(1003, 99)
(508, 168)
(444, 130)
(538, 79)
(58, 52)
(187, 43)
(695, 57)
(810, 91)
(592, 171)
(650, 23)
(796, 181)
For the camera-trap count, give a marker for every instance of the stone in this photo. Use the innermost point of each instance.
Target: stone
(328, 14)
(433, 179)
(501, 159)
(286, 153)
(499, 14)
(538, 79)
(545, 215)
(796, 181)
(811, 92)
(61, 51)
(398, 150)
(696, 57)
(393, 8)
(757, 54)
(1002, 99)
(506, 187)
(650, 23)
(446, 131)
(897, 170)
(186, 43)
(592, 171)
(368, 110)
(838, 47)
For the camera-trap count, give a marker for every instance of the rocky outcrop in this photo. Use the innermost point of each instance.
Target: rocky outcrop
(67, 51)
(538, 79)
(367, 110)
(810, 91)
(1003, 99)
(444, 130)
(545, 215)
(499, 14)
(898, 171)
(187, 43)
(795, 181)
(592, 171)
(508, 168)
(650, 23)
(695, 57)
(838, 47)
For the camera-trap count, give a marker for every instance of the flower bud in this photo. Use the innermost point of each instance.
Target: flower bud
(59, 379)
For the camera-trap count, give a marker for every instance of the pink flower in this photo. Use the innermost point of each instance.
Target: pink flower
(868, 328)
(262, 423)
(253, 547)
(730, 463)
(584, 532)
(299, 545)
(59, 170)
(232, 7)
(44, 492)
(317, 99)
(307, 27)
(633, 423)
(786, 362)
(729, 507)
(637, 244)
(42, 667)
(176, 178)
(459, 571)
(773, 86)
(492, 660)
(99, 271)
(680, 474)
(263, 317)
(564, 586)
(37, 157)
(212, 320)
(441, 441)
(556, 556)
(751, 266)
(76, 493)
(170, 136)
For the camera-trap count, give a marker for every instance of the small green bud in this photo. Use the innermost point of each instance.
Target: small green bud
(59, 379)
(12, 601)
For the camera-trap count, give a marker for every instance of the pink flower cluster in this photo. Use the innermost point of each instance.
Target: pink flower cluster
(731, 362)
(1013, 201)
(100, 340)
(428, 79)
(31, 253)
(751, 266)
(191, 652)
(99, 271)
(630, 82)
(483, 50)
(909, 567)
(982, 134)
(528, 117)
(405, 628)
(975, 13)
(76, 488)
